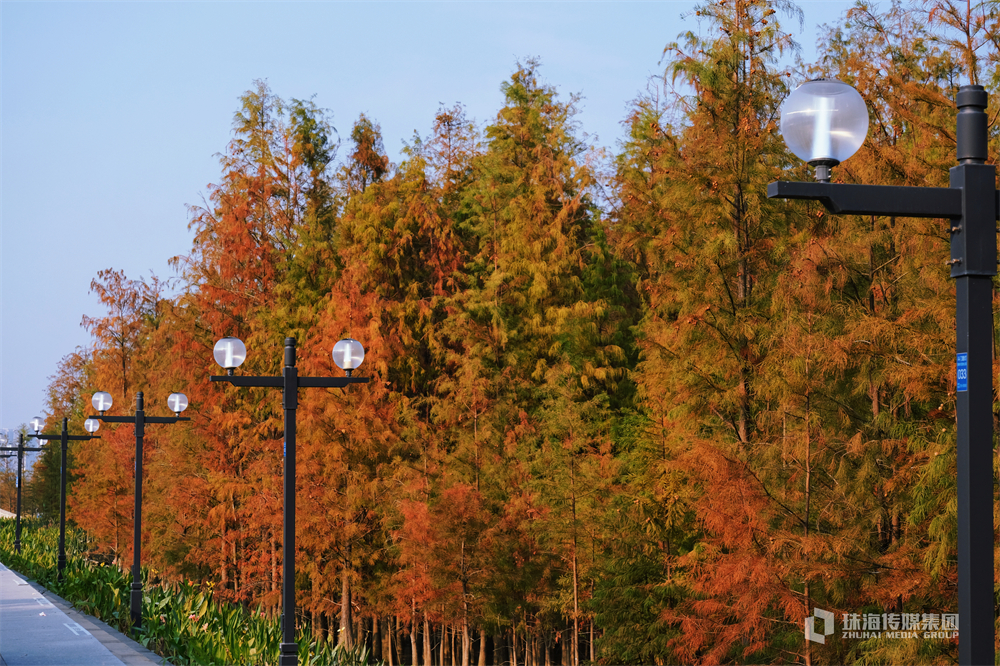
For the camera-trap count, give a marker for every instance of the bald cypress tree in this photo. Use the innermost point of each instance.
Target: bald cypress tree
(528, 330)
(725, 486)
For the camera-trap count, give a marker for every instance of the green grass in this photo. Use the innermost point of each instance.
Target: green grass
(181, 622)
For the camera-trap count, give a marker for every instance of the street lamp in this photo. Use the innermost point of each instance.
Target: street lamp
(971, 203)
(64, 437)
(348, 355)
(20, 448)
(102, 402)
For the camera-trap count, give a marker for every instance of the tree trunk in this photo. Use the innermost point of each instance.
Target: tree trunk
(444, 643)
(499, 646)
(236, 571)
(397, 639)
(274, 562)
(224, 570)
(346, 625)
(576, 576)
(592, 659)
(428, 651)
(414, 656)
(387, 640)
(317, 600)
(376, 638)
(482, 647)
(466, 642)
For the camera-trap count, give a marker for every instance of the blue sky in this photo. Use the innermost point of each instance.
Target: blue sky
(112, 116)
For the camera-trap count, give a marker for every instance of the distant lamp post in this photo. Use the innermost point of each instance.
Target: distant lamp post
(102, 401)
(20, 449)
(230, 353)
(64, 438)
(821, 123)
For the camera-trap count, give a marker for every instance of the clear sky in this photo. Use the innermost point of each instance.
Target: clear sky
(112, 116)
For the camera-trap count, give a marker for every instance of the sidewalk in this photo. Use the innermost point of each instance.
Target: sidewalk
(37, 628)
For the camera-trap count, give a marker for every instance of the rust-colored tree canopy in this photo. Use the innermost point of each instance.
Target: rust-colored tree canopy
(622, 409)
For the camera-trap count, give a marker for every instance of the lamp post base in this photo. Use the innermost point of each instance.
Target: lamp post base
(136, 606)
(289, 654)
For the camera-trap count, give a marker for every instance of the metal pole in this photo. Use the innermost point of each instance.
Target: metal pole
(136, 601)
(64, 448)
(289, 648)
(20, 468)
(974, 257)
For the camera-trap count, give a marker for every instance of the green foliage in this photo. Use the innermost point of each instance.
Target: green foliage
(180, 621)
(629, 600)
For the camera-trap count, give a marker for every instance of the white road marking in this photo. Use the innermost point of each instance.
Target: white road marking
(76, 629)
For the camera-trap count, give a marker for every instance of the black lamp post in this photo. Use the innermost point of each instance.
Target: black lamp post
(814, 132)
(20, 448)
(348, 355)
(102, 401)
(64, 437)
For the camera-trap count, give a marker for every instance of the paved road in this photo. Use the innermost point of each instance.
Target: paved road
(37, 628)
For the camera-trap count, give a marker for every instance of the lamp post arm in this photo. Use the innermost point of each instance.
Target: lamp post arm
(165, 419)
(849, 199)
(279, 382)
(114, 419)
(330, 382)
(239, 380)
(131, 419)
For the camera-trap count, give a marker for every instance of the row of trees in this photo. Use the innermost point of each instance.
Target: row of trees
(624, 410)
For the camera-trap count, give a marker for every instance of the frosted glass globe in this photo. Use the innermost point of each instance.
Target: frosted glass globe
(91, 425)
(824, 121)
(348, 354)
(102, 401)
(177, 402)
(230, 353)
(36, 424)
